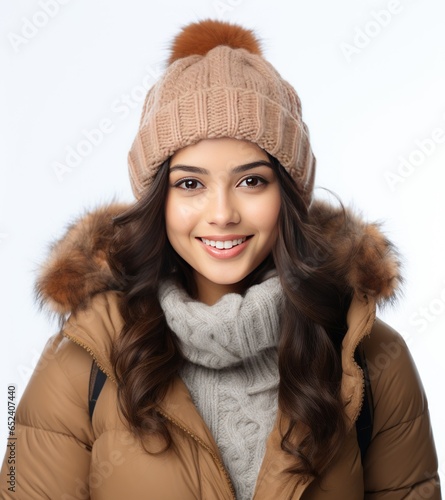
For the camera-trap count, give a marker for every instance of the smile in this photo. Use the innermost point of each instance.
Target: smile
(223, 244)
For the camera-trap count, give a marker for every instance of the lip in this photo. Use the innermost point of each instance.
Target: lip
(228, 253)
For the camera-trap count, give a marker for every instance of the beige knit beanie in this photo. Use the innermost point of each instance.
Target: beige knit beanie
(218, 84)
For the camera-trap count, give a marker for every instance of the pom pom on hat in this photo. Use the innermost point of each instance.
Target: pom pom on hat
(201, 37)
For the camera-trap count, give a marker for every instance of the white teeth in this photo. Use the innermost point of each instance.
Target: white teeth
(223, 244)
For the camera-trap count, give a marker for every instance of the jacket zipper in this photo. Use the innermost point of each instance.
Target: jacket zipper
(363, 392)
(201, 442)
(91, 353)
(173, 421)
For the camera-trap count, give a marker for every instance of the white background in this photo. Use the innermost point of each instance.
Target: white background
(372, 87)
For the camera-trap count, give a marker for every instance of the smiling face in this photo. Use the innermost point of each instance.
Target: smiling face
(221, 212)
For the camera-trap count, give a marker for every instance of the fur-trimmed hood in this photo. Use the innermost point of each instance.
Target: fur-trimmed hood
(77, 269)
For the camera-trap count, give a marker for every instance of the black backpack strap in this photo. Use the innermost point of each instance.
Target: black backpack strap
(97, 381)
(365, 420)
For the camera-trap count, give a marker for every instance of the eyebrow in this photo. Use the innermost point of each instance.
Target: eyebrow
(236, 170)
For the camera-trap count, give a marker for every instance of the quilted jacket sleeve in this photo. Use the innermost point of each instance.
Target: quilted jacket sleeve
(52, 427)
(401, 461)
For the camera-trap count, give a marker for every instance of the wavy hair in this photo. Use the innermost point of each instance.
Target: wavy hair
(147, 355)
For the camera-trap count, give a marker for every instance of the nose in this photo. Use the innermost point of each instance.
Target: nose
(222, 208)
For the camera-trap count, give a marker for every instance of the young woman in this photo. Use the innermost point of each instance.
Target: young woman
(233, 316)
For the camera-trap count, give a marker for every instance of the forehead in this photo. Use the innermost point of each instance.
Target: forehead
(219, 153)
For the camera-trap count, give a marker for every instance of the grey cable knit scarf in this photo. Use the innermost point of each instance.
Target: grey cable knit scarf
(232, 371)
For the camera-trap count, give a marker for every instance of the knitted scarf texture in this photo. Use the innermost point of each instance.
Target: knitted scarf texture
(231, 369)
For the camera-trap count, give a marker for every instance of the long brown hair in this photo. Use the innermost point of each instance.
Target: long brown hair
(147, 355)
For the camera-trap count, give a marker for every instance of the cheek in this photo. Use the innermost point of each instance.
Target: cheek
(179, 218)
(265, 215)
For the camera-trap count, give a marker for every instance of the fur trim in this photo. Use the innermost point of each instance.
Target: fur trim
(77, 266)
(371, 262)
(199, 38)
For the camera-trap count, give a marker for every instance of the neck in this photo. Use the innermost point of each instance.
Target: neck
(209, 292)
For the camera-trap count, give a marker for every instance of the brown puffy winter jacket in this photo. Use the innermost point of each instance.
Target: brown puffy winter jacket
(60, 454)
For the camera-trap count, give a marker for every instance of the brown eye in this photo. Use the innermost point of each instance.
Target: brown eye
(188, 184)
(253, 182)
